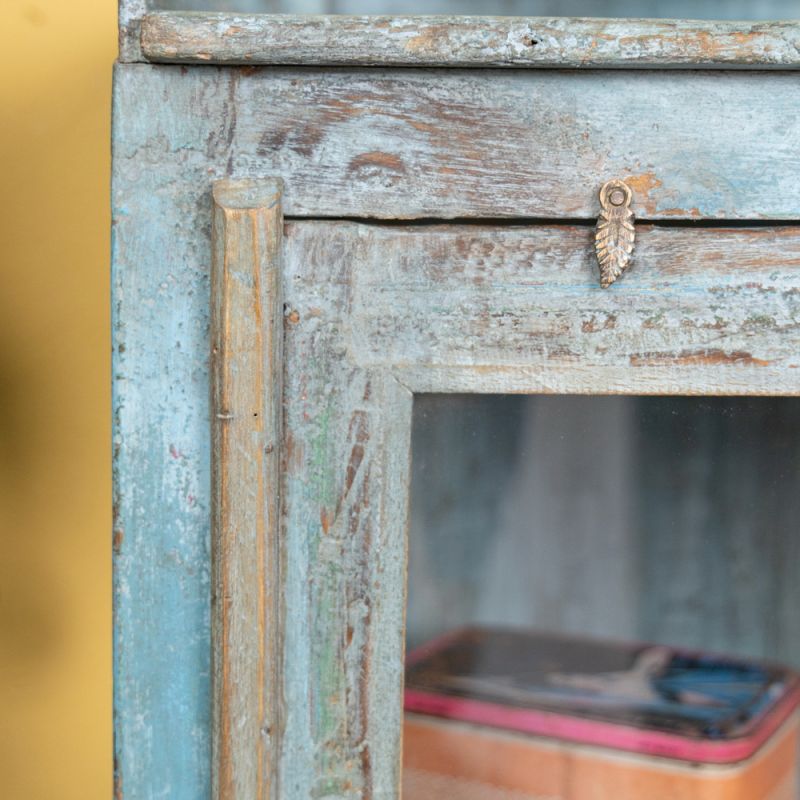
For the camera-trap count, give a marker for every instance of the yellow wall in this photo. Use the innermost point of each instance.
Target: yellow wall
(55, 615)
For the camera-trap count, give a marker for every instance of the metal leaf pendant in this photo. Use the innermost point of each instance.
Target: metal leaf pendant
(613, 240)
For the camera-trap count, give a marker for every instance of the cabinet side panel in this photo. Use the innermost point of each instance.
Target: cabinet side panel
(161, 264)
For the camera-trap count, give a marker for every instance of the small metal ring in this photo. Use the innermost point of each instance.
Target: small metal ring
(610, 188)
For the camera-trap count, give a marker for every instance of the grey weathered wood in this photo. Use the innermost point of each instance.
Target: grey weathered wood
(347, 462)
(474, 308)
(373, 309)
(518, 309)
(247, 603)
(131, 13)
(562, 555)
(347, 443)
(456, 41)
(235, 6)
(419, 143)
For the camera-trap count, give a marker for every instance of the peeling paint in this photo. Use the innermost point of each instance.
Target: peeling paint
(710, 357)
(468, 41)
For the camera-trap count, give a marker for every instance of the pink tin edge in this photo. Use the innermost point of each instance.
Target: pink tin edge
(592, 732)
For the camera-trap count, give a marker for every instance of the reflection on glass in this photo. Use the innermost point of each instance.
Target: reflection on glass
(691, 9)
(617, 574)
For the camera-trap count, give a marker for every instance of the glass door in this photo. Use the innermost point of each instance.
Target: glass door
(602, 596)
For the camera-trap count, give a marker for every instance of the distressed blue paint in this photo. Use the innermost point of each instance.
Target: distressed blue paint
(175, 133)
(537, 143)
(161, 440)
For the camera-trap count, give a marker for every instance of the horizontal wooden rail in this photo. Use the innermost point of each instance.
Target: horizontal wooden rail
(710, 145)
(457, 41)
(487, 309)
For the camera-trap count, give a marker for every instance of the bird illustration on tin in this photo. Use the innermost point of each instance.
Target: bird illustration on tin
(615, 235)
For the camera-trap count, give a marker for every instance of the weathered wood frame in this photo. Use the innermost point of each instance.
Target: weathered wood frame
(247, 380)
(252, 686)
(360, 342)
(329, 724)
(453, 41)
(514, 144)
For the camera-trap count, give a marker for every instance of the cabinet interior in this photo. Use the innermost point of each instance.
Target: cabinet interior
(661, 519)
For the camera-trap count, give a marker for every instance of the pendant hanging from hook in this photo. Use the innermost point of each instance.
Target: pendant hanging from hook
(615, 234)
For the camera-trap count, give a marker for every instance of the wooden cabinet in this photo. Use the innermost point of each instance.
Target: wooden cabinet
(317, 219)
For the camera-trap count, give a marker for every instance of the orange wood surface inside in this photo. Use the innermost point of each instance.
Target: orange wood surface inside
(473, 763)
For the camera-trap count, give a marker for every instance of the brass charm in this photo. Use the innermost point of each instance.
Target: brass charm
(613, 240)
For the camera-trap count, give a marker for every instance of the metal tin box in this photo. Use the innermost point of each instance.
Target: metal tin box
(511, 714)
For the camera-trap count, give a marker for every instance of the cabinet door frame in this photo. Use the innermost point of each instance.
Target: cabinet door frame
(372, 314)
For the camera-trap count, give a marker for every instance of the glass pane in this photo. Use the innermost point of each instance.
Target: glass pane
(591, 576)
(692, 9)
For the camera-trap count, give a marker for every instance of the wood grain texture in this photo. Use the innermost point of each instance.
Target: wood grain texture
(347, 469)
(247, 371)
(518, 309)
(374, 312)
(161, 265)
(457, 41)
(415, 143)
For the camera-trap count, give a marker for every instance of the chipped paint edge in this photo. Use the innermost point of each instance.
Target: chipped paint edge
(466, 41)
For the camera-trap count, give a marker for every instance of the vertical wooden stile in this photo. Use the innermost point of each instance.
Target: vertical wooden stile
(247, 325)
